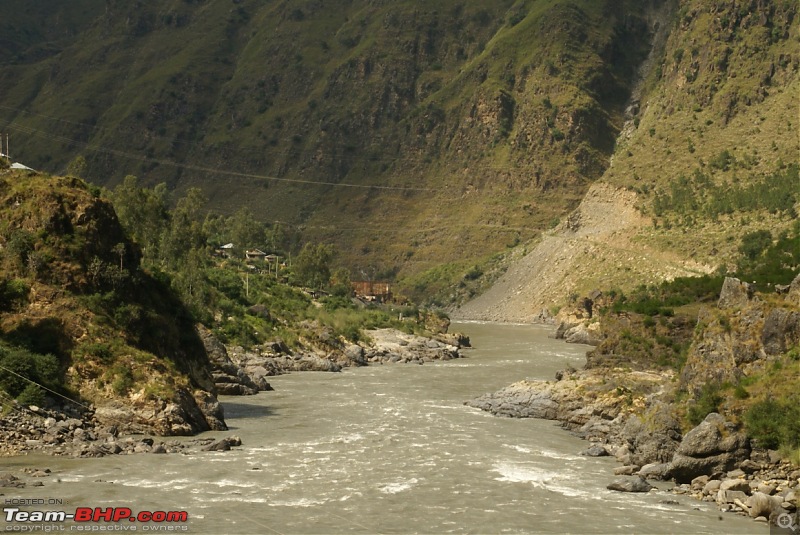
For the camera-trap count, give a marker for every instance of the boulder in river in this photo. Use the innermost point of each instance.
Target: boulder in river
(630, 484)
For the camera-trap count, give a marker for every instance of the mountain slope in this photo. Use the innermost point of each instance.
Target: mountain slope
(709, 157)
(399, 131)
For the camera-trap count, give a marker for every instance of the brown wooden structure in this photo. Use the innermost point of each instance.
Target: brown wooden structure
(373, 290)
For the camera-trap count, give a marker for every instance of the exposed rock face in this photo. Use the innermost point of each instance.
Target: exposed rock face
(735, 293)
(781, 331)
(229, 378)
(187, 413)
(713, 446)
(69, 432)
(391, 345)
(595, 239)
(583, 404)
(583, 333)
(739, 337)
(653, 437)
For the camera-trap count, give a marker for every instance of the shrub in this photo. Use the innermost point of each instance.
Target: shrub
(12, 291)
(22, 368)
(123, 379)
(707, 402)
(32, 395)
(754, 243)
(774, 423)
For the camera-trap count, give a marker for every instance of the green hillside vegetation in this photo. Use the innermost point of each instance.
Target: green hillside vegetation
(249, 303)
(399, 132)
(87, 313)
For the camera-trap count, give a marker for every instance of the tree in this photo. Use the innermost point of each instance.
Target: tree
(143, 213)
(754, 243)
(244, 231)
(312, 265)
(119, 250)
(340, 283)
(185, 231)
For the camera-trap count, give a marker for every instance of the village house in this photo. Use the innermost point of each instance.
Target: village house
(373, 291)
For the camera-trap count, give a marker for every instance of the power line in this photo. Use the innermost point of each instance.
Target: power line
(377, 142)
(199, 168)
(45, 388)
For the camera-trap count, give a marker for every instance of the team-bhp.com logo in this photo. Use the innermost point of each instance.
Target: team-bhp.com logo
(87, 518)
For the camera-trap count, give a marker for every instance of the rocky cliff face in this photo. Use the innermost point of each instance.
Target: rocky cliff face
(742, 336)
(588, 250)
(720, 69)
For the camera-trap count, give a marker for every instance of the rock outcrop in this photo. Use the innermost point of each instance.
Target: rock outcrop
(392, 346)
(229, 378)
(739, 337)
(76, 432)
(715, 445)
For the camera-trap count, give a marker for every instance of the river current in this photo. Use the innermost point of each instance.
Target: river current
(387, 449)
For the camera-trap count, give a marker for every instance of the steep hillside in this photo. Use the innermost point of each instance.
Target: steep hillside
(409, 134)
(708, 157)
(97, 329)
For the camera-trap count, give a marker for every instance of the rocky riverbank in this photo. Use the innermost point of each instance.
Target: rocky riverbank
(620, 414)
(78, 433)
(630, 407)
(239, 371)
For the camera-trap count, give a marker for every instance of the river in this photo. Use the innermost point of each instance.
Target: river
(387, 449)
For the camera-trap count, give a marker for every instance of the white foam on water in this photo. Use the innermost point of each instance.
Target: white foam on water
(237, 499)
(233, 483)
(561, 456)
(398, 486)
(151, 483)
(520, 449)
(301, 502)
(543, 479)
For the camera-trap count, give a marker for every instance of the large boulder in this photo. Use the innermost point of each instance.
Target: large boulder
(654, 437)
(355, 354)
(761, 504)
(713, 446)
(583, 333)
(794, 291)
(781, 331)
(735, 293)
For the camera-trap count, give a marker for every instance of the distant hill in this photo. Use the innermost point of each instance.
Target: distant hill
(423, 139)
(437, 131)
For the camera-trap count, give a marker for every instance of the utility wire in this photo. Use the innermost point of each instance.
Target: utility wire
(223, 172)
(12, 372)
